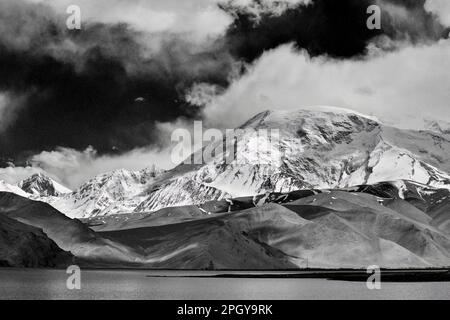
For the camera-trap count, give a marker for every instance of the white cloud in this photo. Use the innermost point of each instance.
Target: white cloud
(73, 167)
(207, 22)
(401, 87)
(199, 18)
(13, 175)
(441, 8)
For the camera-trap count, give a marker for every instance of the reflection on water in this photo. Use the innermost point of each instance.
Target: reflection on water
(130, 284)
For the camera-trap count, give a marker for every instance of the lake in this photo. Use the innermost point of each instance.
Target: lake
(143, 284)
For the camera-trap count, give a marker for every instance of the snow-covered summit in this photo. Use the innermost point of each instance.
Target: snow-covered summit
(42, 186)
(294, 114)
(318, 147)
(118, 191)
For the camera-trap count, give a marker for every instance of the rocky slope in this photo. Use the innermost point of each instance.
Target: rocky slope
(391, 224)
(399, 224)
(22, 245)
(69, 234)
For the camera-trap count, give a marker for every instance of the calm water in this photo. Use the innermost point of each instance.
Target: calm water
(107, 284)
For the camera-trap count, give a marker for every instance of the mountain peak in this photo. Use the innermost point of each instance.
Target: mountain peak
(314, 117)
(314, 111)
(438, 126)
(116, 191)
(41, 185)
(113, 177)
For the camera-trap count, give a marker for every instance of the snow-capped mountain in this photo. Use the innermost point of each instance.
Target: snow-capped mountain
(439, 126)
(320, 147)
(180, 192)
(119, 191)
(6, 187)
(317, 147)
(39, 185)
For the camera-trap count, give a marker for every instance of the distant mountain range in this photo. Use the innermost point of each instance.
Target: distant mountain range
(327, 148)
(345, 191)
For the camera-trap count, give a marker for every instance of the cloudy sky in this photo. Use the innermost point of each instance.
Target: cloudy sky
(79, 102)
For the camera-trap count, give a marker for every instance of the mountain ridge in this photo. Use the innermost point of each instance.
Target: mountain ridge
(319, 147)
(337, 149)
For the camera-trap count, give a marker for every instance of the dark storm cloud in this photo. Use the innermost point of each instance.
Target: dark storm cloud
(98, 86)
(107, 85)
(336, 28)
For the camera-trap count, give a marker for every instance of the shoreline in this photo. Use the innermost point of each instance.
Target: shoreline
(357, 275)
